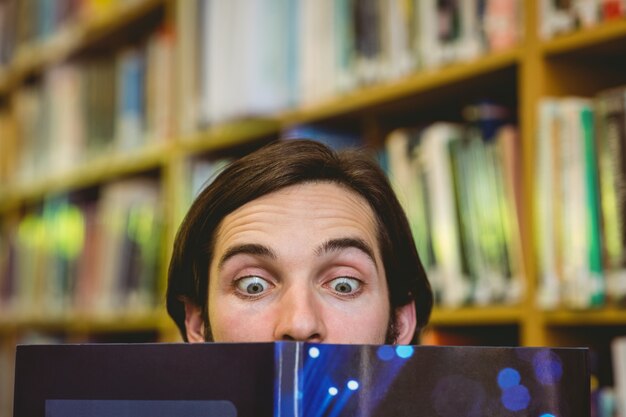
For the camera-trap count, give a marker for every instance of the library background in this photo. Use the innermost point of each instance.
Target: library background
(501, 123)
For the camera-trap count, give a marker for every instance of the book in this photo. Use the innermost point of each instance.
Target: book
(582, 277)
(130, 229)
(244, 58)
(459, 185)
(297, 379)
(501, 24)
(130, 98)
(544, 205)
(160, 91)
(450, 271)
(333, 137)
(407, 177)
(568, 226)
(618, 353)
(610, 138)
(81, 255)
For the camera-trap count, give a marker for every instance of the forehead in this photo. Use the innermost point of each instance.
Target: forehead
(304, 212)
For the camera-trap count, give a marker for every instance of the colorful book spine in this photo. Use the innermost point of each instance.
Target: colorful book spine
(611, 154)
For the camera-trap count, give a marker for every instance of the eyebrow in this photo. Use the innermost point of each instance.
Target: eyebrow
(336, 245)
(332, 245)
(247, 249)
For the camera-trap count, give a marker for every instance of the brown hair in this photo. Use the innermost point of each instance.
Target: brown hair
(271, 168)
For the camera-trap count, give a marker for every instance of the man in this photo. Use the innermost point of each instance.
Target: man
(297, 242)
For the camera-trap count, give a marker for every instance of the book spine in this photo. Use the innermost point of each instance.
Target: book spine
(544, 210)
(288, 383)
(596, 275)
(446, 241)
(611, 139)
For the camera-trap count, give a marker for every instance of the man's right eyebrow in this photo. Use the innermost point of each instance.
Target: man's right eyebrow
(253, 249)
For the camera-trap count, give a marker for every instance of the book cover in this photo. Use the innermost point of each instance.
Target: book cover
(290, 379)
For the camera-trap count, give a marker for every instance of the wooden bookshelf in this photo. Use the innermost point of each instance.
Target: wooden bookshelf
(99, 170)
(479, 316)
(597, 38)
(427, 81)
(36, 56)
(533, 69)
(599, 317)
(228, 135)
(71, 323)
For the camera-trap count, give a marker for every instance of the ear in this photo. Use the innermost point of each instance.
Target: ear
(405, 323)
(194, 323)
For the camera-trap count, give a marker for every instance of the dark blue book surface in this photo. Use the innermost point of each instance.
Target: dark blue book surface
(290, 379)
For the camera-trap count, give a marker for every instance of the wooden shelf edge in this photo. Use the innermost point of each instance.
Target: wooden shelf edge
(608, 317)
(230, 134)
(473, 316)
(420, 82)
(120, 16)
(92, 172)
(585, 38)
(74, 323)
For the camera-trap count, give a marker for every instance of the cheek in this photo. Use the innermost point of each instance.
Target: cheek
(229, 323)
(367, 325)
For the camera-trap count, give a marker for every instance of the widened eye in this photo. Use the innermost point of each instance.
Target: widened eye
(252, 285)
(345, 285)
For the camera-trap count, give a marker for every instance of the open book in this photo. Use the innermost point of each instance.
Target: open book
(295, 379)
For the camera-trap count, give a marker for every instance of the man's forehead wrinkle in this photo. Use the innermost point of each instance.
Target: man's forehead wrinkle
(242, 221)
(336, 209)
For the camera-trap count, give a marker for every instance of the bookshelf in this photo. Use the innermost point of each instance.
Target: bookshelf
(519, 77)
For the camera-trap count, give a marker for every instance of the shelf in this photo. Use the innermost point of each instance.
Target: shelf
(416, 84)
(476, 316)
(607, 317)
(38, 55)
(606, 36)
(5, 81)
(130, 322)
(98, 170)
(228, 135)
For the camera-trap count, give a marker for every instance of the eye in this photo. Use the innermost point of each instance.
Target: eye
(345, 285)
(252, 285)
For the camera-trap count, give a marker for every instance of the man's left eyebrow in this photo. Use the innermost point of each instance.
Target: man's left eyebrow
(335, 245)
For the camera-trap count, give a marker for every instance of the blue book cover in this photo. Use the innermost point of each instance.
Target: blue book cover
(294, 379)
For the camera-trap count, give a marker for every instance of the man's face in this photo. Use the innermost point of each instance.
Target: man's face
(302, 263)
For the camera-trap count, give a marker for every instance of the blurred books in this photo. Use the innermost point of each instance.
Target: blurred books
(246, 60)
(459, 184)
(580, 201)
(92, 258)
(559, 17)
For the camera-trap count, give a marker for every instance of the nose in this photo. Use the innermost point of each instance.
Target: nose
(299, 317)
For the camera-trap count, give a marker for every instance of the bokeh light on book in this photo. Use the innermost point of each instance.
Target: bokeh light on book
(508, 377)
(385, 353)
(404, 351)
(353, 385)
(515, 398)
(314, 352)
(548, 367)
